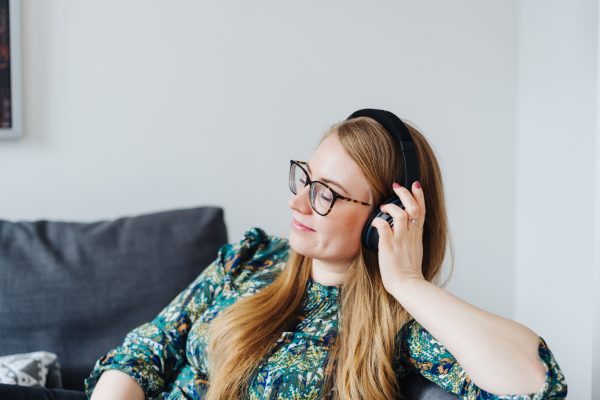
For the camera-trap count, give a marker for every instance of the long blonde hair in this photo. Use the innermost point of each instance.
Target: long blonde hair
(360, 360)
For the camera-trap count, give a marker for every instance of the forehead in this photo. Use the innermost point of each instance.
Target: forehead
(333, 182)
(330, 161)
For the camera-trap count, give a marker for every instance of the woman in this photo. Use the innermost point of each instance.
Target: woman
(322, 314)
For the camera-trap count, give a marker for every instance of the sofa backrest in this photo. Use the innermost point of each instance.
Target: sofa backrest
(77, 288)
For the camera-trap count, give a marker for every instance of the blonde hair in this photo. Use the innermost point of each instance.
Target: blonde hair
(360, 362)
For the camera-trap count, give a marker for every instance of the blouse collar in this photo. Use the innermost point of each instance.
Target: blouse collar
(320, 290)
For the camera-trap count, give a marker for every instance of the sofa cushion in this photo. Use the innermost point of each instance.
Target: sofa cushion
(76, 288)
(416, 387)
(36, 369)
(33, 393)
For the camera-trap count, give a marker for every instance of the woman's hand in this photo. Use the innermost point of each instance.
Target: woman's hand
(401, 246)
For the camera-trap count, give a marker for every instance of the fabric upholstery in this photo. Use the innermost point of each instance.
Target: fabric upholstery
(76, 288)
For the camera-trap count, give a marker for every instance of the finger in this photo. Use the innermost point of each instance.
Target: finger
(419, 196)
(400, 217)
(383, 230)
(408, 201)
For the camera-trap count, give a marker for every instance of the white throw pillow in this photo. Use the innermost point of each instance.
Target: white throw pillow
(29, 369)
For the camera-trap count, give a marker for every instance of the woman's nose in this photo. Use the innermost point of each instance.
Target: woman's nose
(300, 201)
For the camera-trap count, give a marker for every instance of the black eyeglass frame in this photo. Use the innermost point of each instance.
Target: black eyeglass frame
(310, 182)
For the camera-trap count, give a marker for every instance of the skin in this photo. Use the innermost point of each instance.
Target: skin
(117, 385)
(474, 336)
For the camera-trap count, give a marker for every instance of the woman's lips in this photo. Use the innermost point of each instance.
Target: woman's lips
(301, 227)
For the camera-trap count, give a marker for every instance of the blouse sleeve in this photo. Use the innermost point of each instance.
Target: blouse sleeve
(153, 352)
(421, 352)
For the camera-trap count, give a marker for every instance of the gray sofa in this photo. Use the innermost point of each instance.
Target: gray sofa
(76, 288)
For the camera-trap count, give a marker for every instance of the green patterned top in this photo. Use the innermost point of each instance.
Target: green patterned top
(167, 356)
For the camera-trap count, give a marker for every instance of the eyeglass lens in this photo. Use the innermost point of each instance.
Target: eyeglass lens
(320, 195)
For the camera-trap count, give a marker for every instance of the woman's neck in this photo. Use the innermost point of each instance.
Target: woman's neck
(326, 273)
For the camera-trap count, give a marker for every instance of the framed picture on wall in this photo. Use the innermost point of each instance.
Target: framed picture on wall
(11, 123)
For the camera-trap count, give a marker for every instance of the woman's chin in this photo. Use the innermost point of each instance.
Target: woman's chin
(301, 245)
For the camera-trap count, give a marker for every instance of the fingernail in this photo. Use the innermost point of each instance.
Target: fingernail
(417, 185)
(396, 185)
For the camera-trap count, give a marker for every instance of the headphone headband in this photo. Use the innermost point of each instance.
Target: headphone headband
(399, 132)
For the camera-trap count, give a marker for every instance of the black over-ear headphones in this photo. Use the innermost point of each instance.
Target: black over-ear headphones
(398, 131)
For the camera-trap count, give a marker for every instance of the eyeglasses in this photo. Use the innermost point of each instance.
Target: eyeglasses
(322, 197)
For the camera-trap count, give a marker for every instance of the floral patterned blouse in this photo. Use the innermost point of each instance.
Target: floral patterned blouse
(167, 356)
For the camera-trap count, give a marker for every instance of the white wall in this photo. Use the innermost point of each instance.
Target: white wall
(144, 105)
(137, 106)
(557, 189)
(596, 329)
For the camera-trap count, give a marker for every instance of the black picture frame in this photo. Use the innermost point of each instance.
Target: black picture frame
(11, 97)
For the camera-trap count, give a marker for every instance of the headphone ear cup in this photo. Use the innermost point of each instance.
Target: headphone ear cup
(370, 236)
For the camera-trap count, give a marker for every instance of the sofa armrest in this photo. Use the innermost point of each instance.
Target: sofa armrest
(15, 392)
(417, 387)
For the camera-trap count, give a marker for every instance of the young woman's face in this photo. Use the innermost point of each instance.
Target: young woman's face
(334, 237)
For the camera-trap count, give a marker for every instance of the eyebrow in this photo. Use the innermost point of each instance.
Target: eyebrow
(329, 181)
